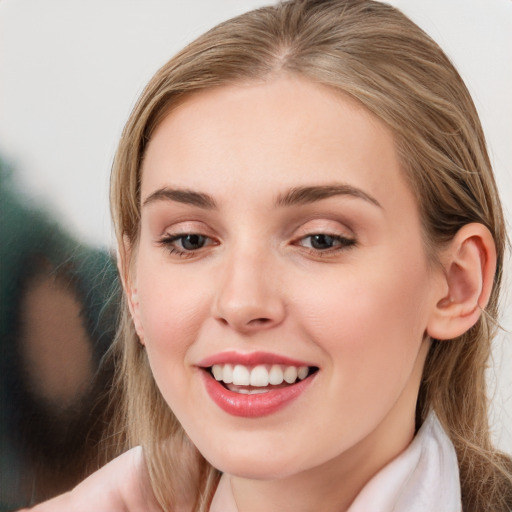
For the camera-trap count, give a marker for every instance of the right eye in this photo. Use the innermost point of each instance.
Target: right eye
(185, 244)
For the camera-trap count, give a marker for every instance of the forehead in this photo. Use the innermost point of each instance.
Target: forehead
(265, 136)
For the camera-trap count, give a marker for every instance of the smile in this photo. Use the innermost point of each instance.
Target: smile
(261, 378)
(254, 390)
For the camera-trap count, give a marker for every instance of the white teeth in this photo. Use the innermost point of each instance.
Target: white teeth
(217, 371)
(241, 376)
(302, 372)
(245, 391)
(276, 375)
(258, 376)
(290, 374)
(227, 374)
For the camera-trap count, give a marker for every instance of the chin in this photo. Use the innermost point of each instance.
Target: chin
(256, 465)
(263, 471)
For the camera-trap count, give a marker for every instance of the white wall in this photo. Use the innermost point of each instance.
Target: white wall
(70, 70)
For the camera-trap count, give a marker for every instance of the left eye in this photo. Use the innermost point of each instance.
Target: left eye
(324, 242)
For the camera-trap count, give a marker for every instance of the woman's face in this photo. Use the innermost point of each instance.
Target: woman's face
(279, 240)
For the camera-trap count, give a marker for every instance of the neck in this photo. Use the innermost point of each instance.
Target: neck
(333, 486)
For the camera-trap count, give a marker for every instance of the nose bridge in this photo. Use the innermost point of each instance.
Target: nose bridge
(249, 296)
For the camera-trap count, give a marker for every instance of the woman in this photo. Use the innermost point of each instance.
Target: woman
(311, 242)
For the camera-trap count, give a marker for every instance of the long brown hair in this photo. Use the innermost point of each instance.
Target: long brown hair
(375, 54)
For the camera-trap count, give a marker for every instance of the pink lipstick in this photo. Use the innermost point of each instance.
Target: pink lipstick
(255, 384)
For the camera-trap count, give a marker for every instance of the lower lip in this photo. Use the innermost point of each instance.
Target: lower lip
(253, 406)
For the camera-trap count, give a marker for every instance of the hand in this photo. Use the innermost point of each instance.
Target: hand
(120, 486)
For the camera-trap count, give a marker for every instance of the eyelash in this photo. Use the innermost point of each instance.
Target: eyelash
(168, 242)
(343, 242)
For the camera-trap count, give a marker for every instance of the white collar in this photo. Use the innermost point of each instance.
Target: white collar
(423, 478)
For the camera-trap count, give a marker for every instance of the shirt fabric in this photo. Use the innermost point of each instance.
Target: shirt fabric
(423, 478)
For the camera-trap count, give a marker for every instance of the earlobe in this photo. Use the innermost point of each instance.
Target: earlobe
(129, 288)
(469, 264)
(133, 303)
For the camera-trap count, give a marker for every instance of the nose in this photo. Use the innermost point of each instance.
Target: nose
(249, 297)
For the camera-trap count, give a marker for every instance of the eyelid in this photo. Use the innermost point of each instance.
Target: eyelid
(176, 227)
(345, 241)
(169, 237)
(184, 227)
(168, 243)
(342, 235)
(322, 225)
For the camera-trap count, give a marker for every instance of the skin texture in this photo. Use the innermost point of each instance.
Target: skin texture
(359, 312)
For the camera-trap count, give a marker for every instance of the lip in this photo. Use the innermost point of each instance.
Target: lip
(250, 359)
(257, 405)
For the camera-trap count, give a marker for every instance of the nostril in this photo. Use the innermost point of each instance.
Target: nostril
(246, 325)
(259, 321)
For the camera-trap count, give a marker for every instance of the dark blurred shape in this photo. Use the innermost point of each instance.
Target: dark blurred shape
(58, 312)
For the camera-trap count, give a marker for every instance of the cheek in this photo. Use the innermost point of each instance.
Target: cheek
(171, 310)
(382, 302)
(370, 326)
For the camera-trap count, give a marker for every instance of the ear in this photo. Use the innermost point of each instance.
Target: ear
(128, 280)
(469, 264)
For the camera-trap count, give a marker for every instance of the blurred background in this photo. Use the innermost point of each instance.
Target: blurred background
(70, 72)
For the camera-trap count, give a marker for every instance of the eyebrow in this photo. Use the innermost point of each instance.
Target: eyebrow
(306, 195)
(184, 196)
(294, 196)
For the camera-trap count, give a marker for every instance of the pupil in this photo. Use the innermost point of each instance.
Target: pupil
(191, 242)
(322, 241)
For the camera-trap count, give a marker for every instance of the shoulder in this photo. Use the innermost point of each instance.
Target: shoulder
(122, 485)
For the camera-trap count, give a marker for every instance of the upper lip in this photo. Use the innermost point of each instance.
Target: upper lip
(250, 359)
